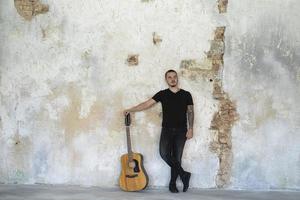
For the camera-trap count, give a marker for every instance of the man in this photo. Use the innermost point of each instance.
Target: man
(177, 107)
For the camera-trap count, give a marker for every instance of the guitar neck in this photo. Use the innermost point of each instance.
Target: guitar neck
(128, 143)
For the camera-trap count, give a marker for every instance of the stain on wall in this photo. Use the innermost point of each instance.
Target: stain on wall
(72, 121)
(30, 8)
(156, 38)
(262, 59)
(18, 155)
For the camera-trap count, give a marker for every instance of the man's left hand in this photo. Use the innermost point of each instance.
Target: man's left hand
(189, 134)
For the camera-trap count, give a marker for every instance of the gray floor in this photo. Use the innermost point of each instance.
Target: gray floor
(59, 192)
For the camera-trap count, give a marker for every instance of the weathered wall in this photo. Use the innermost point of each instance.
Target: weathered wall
(262, 73)
(67, 74)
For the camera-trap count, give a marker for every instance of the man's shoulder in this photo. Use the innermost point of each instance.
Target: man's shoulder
(160, 92)
(185, 91)
(163, 91)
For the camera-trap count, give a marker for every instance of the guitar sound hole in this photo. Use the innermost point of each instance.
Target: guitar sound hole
(136, 168)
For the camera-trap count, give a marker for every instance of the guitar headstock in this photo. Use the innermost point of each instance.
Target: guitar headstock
(127, 119)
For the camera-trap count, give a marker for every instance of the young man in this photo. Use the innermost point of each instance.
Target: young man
(177, 107)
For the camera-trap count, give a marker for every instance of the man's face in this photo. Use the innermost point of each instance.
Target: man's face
(172, 79)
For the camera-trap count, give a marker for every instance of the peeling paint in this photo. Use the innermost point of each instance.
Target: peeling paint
(194, 70)
(133, 59)
(156, 38)
(221, 145)
(30, 8)
(222, 6)
(225, 117)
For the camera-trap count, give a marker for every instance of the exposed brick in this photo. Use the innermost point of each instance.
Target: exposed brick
(133, 59)
(222, 6)
(226, 115)
(219, 33)
(30, 8)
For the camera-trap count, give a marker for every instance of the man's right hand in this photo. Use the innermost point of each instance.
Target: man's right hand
(126, 112)
(140, 107)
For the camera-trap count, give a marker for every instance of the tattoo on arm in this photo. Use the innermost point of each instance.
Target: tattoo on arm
(190, 114)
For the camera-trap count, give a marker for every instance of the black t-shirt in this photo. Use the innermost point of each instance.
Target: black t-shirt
(174, 107)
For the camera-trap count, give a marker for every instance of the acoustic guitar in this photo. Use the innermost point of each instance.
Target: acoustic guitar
(133, 175)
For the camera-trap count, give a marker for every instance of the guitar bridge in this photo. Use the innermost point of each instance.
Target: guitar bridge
(131, 176)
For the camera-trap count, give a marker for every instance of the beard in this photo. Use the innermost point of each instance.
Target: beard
(173, 84)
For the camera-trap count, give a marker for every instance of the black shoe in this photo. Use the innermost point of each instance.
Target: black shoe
(186, 181)
(173, 188)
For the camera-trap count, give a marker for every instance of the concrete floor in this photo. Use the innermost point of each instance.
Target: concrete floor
(59, 192)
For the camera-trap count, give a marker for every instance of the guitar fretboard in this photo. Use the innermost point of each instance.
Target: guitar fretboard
(129, 143)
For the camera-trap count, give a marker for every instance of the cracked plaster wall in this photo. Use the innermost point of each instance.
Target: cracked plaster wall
(262, 67)
(65, 80)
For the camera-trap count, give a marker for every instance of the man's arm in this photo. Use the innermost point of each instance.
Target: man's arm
(190, 117)
(142, 106)
(190, 114)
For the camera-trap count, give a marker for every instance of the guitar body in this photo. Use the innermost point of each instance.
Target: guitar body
(133, 175)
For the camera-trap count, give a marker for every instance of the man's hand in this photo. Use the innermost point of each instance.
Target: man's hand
(189, 133)
(126, 112)
(142, 106)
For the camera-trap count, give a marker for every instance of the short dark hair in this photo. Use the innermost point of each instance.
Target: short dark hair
(170, 70)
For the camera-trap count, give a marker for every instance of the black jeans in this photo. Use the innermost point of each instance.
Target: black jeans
(172, 141)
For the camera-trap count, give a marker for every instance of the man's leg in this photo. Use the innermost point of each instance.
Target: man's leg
(177, 151)
(166, 146)
(174, 175)
(165, 149)
(179, 142)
